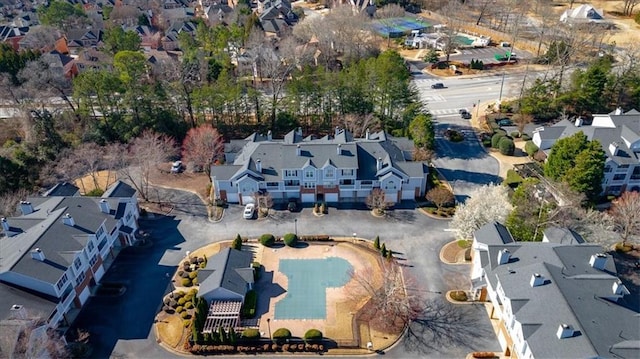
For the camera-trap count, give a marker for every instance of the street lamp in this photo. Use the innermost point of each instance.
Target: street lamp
(269, 326)
(295, 223)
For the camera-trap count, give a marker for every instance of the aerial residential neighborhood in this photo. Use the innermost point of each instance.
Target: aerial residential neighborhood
(422, 179)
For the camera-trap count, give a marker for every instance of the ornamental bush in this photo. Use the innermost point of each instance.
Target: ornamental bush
(282, 333)
(530, 148)
(188, 305)
(313, 334)
(267, 239)
(186, 282)
(251, 333)
(506, 146)
(181, 301)
(250, 304)
(237, 243)
(495, 140)
(193, 275)
(290, 239)
(179, 310)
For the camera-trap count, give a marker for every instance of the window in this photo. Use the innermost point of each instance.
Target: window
(328, 172)
(292, 183)
(128, 217)
(99, 232)
(623, 167)
(93, 260)
(273, 184)
(607, 169)
(77, 264)
(615, 189)
(62, 281)
(329, 185)
(290, 173)
(308, 174)
(102, 243)
(90, 246)
(348, 172)
(80, 278)
(636, 173)
(619, 177)
(309, 185)
(347, 182)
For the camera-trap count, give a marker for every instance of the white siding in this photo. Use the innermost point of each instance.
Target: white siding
(391, 197)
(233, 198)
(308, 197)
(31, 283)
(98, 273)
(408, 194)
(84, 295)
(331, 197)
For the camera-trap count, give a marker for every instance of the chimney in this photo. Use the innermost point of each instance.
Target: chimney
(26, 207)
(37, 254)
(536, 280)
(564, 331)
(578, 122)
(104, 206)
(299, 131)
(339, 149)
(503, 256)
(618, 111)
(598, 261)
(367, 135)
(259, 166)
(379, 164)
(613, 148)
(298, 150)
(337, 131)
(68, 220)
(269, 135)
(619, 288)
(5, 224)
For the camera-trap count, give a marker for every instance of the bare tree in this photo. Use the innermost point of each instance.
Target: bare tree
(41, 38)
(359, 124)
(377, 201)
(202, 147)
(422, 154)
(628, 6)
(9, 202)
(143, 154)
(264, 201)
(393, 299)
(625, 212)
(34, 339)
(389, 11)
(440, 196)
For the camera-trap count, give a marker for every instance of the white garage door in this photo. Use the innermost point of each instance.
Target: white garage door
(232, 198)
(391, 197)
(99, 273)
(308, 197)
(84, 295)
(247, 199)
(331, 197)
(408, 194)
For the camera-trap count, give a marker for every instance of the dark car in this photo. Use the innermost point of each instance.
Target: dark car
(465, 115)
(292, 206)
(437, 85)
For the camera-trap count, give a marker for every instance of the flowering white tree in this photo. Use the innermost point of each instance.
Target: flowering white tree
(486, 204)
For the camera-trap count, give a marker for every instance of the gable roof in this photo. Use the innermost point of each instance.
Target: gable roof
(229, 269)
(584, 12)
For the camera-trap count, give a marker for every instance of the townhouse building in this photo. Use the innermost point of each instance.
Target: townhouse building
(557, 299)
(60, 247)
(619, 135)
(338, 168)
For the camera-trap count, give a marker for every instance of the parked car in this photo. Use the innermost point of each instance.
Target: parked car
(249, 211)
(176, 167)
(465, 115)
(462, 110)
(437, 85)
(292, 206)
(504, 122)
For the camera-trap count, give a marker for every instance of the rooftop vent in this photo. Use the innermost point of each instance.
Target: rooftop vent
(503, 256)
(339, 149)
(104, 206)
(5, 224)
(367, 135)
(37, 254)
(298, 150)
(16, 307)
(613, 148)
(259, 166)
(536, 280)
(269, 135)
(26, 207)
(598, 261)
(565, 331)
(337, 131)
(619, 288)
(68, 220)
(579, 122)
(379, 164)
(618, 111)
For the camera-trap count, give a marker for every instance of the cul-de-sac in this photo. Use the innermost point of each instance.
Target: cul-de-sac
(279, 178)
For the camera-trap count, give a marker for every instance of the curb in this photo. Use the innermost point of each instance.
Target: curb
(421, 210)
(446, 261)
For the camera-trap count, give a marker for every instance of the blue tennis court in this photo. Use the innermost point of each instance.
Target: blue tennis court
(398, 26)
(308, 280)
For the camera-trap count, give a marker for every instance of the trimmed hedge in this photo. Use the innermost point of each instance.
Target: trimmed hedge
(530, 148)
(267, 239)
(250, 304)
(317, 237)
(186, 282)
(506, 146)
(282, 333)
(495, 140)
(513, 179)
(290, 239)
(251, 333)
(313, 334)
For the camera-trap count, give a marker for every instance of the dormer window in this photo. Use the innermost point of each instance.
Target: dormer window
(329, 172)
(309, 174)
(77, 264)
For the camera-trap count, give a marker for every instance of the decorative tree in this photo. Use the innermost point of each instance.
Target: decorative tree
(202, 147)
(383, 250)
(625, 212)
(376, 243)
(486, 204)
(440, 196)
(237, 243)
(376, 201)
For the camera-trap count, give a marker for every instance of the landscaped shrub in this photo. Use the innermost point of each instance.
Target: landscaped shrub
(530, 148)
(526, 137)
(637, 18)
(623, 248)
(256, 270)
(495, 140)
(251, 333)
(501, 131)
(185, 315)
(506, 146)
(515, 134)
(282, 333)
(186, 282)
(179, 309)
(483, 355)
(459, 295)
(184, 275)
(463, 243)
(237, 243)
(186, 323)
(250, 303)
(267, 239)
(188, 305)
(193, 275)
(513, 179)
(194, 281)
(290, 239)
(181, 301)
(313, 334)
(486, 143)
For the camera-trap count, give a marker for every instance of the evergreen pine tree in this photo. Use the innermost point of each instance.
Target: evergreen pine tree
(383, 250)
(389, 255)
(237, 243)
(376, 243)
(233, 337)
(223, 336)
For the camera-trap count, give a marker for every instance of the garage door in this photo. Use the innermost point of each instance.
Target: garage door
(247, 199)
(308, 197)
(84, 295)
(391, 197)
(98, 274)
(331, 197)
(232, 198)
(408, 194)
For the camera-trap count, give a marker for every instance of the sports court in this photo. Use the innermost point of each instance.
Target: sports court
(399, 26)
(306, 296)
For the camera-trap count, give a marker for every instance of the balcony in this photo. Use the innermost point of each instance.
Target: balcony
(347, 186)
(291, 188)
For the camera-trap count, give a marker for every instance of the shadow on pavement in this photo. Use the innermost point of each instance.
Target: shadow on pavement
(268, 290)
(131, 315)
(478, 178)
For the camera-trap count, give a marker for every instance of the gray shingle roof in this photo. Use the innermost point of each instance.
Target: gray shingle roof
(63, 189)
(229, 269)
(562, 236)
(493, 233)
(119, 189)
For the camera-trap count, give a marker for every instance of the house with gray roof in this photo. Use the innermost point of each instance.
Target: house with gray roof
(338, 168)
(619, 135)
(554, 299)
(61, 246)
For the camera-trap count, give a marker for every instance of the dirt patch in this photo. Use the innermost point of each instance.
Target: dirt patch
(103, 180)
(193, 182)
(170, 329)
(452, 253)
